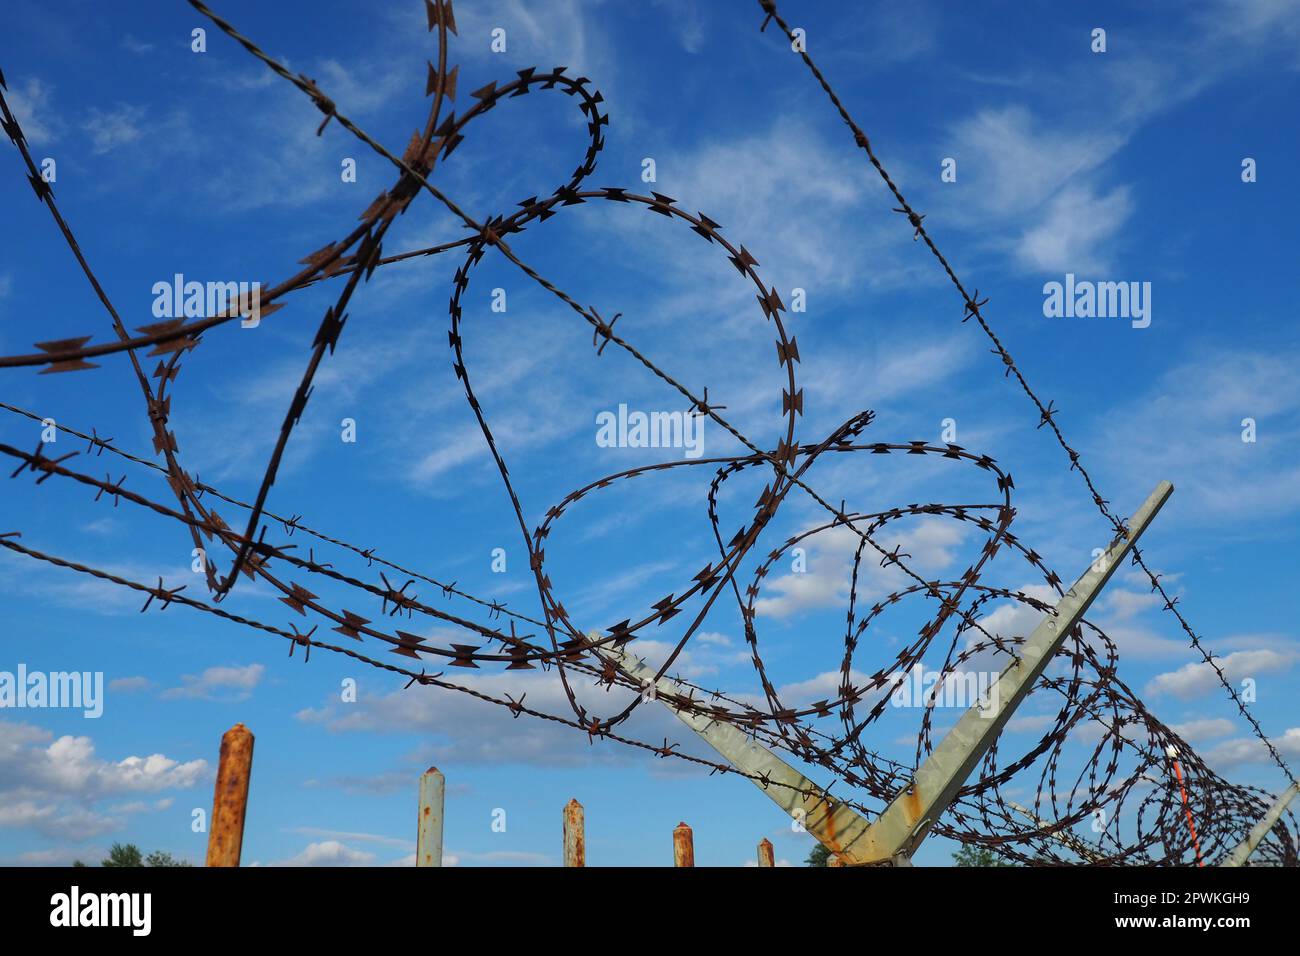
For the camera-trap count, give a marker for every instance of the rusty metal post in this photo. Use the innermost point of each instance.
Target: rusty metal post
(575, 842)
(765, 854)
(230, 797)
(683, 846)
(428, 835)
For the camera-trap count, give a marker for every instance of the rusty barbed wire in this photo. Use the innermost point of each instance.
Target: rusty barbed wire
(1124, 786)
(1048, 412)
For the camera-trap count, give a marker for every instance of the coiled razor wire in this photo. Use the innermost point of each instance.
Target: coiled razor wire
(1139, 813)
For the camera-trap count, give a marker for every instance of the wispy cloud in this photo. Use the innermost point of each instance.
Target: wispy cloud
(218, 683)
(109, 129)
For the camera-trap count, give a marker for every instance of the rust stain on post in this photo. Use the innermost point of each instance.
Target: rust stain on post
(683, 846)
(765, 855)
(428, 836)
(575, 841)
(230, 797)
(913, 804)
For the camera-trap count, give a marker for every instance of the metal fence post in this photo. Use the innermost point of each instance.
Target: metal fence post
(683, 846)
(230, 797)
(428, 839)
(765, 854)
(575, 842)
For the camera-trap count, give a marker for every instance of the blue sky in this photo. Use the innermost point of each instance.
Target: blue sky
(1122, 166)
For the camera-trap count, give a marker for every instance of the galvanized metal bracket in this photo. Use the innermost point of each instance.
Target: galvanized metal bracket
(894, 836)
(1063, 837)
(835, 825)
(1242, 852)
(910, 816)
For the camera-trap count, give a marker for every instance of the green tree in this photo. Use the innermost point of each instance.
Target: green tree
(820, 856)
(130, 855)
(119, 855)
(977, 856)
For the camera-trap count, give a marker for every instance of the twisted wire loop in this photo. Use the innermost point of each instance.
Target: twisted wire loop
(1122, 784)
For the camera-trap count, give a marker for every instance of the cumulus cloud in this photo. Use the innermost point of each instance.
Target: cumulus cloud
(52, 785)
(1198, 678)
(1206, 729)
(1247, 750)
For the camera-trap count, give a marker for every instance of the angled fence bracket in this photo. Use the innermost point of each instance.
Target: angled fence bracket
(1063, 837)
(1242, 852)
(835, 825)
(910, 816)
(894, 835)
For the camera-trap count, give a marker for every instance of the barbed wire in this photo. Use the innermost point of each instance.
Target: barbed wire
(1138, 804)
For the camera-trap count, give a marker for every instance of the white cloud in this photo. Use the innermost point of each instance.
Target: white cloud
(51, 784)
(30, 103)
(794, 593)
(1034, 188)
(796, 202)
(1203, 402)
(329, 853)
(226, 683)
(700, 657)
(1020, 163)
(1198, 678)
(132, 45)
(110, 129)
(1203, 729)
(1122, 605)
(1246, 750)
(129, 685)
(687, 20)
(88, 594)
(356, 837)
(1076, 232)
(71, 765)
(712, 637)
(1030, 723)
(101, 526)
(825, 686)
(469, 731)
(930, 542)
